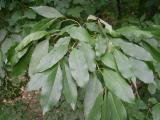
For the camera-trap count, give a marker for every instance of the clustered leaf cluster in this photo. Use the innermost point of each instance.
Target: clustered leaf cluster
(113, 66)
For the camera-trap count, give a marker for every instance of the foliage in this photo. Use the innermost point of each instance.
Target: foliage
(118, 69)
(17, 111)
(16, 21)
(112, 66)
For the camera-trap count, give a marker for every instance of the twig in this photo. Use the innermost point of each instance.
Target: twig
(72, 21)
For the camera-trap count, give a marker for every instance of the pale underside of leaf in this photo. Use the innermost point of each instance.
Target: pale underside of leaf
(39, 52)
(123, 64)
(89, 56)
(133, 33)
(79, 67)
(69, 86)
(51, 89)
(56, 54)
(133, 50)
(109, 61)
(117, 85)
(79, 33)
(142, 71)
(100, 45)
(37, 80)
(132, 68)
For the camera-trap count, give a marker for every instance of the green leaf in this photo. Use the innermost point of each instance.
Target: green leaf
(48, 12)
(141, 71)
(106, 112)
(108, 27)
(89, 55)
(69, 86)
(92, 26)
(31, 37)
(37, 80)
(6, 45)
(156, 112)
(22, 65)
(117, 85)
(134, 34)
(152, 42)
(56, 54)
(79, 33)
(134, 113)
(30, 14)
(157, 67)
(153, 51)
(39, 52)
(118, 111)
(75, 11)
(100, 45)
(43, 24)
(124, 65)
(131, 68)
(51, 89)
(155, 30)
(152, 46)
(133, 50)
(95, 113)
(15, 17)
(13, 56)
(152, 88)
(79, 67)
(93, 89)
(109, 61)
(18, 55)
